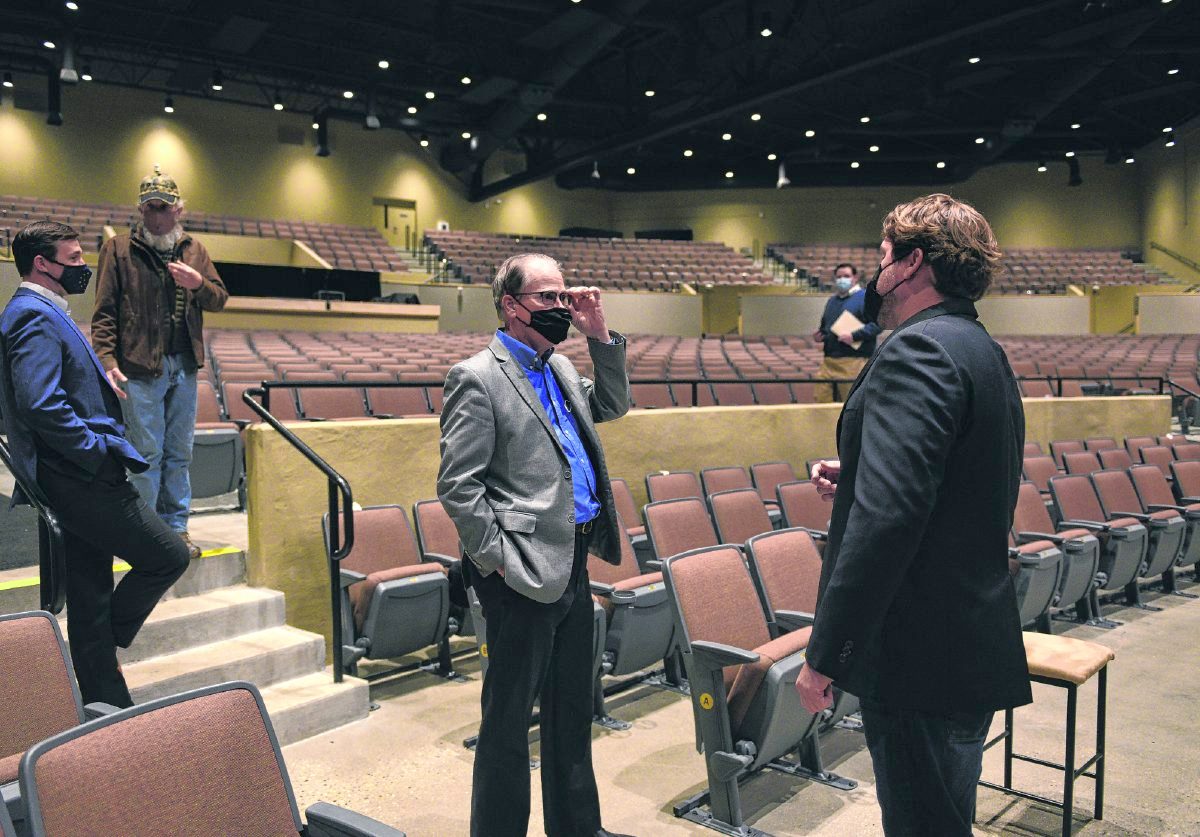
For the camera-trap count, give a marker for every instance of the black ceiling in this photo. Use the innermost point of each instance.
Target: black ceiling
(826, 68)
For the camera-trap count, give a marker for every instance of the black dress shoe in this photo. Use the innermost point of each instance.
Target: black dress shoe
(602, 832)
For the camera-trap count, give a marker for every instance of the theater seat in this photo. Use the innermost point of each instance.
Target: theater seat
(1186, 481)
(201, 762)
(1155, 495)
(631, 519)
(677, 526)
(739, 515)
(802, 506)
(1165, 528)
(747, 712)
(1036, 568)
(1080, 551)
(393, 603)
(1123, 540)
(1081, 462)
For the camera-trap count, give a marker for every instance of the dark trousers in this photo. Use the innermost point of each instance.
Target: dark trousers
(100, 519)
(536, 649)
(926, 768)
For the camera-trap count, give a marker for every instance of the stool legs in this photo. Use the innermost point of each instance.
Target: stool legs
(1101, 699)
(1008, 747)
(1069, 761)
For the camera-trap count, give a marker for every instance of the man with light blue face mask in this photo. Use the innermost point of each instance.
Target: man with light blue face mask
(846, 353)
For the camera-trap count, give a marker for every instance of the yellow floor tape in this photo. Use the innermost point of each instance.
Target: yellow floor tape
(118, 566)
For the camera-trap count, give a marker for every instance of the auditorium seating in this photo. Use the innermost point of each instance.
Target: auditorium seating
(343, 246)
(747, 711)
(739, 515)
(1187, 481)
(1080, 551)
(201, 762)
(676, 526)
(1025, 270)
(1165, 528)
(610, 263)
(803, 507)
(393, 602)
(1037, 568)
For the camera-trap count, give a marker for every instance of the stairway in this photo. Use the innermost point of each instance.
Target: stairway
(210, 627)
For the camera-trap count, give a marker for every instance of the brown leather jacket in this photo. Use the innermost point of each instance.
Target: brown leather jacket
(128, 323)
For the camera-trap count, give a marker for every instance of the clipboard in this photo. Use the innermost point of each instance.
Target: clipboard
(847, 323)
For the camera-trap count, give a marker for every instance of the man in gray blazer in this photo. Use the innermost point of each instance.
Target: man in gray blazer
(524, 480)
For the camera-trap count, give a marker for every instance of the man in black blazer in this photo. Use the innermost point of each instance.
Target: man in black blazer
(917, 613)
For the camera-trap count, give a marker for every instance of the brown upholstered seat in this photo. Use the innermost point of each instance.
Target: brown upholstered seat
(1039, 470)
(436, 532)
(360, 593)
(37, 689)
(671, 485)
(749, 677)
(1065, 658)
(739, 514)
(1081, 462)
(802, 506)
(767, 475)
(677, 526)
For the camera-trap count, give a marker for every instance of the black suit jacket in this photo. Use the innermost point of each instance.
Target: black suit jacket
(916, 604)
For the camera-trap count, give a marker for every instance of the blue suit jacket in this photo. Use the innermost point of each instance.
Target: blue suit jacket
(54, 395)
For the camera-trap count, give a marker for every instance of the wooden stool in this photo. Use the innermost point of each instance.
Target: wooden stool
(1066, 663)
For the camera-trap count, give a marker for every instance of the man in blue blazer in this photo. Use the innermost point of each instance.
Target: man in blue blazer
(69, 450)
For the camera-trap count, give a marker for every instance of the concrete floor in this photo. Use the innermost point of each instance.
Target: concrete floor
(406, 765)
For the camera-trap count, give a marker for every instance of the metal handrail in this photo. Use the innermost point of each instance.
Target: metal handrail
(52, 546)
(338, 486)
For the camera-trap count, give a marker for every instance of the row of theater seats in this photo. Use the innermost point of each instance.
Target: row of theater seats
(1036, 270)
(201, 762)
(344, 246)
(616, 263)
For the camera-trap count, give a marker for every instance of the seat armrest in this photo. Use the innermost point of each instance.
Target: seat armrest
(1165, 507)
(602, 589)
(1029, 537)
(1141, 517)
(817, 534)
(383, 415)
(446, 561)
(794, 619)
(350, 577)
(654, 565)
(98, 709)
(714, 656)
(1094, 525)
(326, 820)
(1189, 500)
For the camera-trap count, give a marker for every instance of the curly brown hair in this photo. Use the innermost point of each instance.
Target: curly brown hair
(955, 238)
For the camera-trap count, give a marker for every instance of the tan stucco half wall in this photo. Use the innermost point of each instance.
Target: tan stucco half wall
(397, 462)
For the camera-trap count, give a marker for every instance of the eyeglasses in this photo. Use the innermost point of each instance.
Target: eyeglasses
(548, 297)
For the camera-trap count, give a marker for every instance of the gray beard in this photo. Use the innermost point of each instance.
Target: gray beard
(164, 243)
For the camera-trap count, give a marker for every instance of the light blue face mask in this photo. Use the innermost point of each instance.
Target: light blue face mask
(843, 284)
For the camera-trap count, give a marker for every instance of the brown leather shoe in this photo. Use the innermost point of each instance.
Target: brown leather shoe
(193, 550)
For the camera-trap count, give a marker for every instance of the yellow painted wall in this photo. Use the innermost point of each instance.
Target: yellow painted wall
(1171, 200)
(1026, 209)
(287, 495)
(227, 159)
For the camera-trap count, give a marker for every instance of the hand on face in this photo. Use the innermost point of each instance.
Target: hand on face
(587, 314)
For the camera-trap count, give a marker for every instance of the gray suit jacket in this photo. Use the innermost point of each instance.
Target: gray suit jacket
(505, 480)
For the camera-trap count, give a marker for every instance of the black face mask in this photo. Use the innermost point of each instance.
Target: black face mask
(74, 278)
(873, 300)
(551, 323)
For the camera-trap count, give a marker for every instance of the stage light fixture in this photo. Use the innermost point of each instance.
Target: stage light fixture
(8, 81)
(782, 179)
(217, 82)
(1041, 167)
(168, 105)
(86, 75)
(278, 105)
(595, 170)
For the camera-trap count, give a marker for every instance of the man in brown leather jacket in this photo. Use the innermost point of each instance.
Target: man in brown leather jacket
(148, 330)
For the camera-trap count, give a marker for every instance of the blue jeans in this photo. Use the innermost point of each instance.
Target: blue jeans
(926, 768)
(160, 420)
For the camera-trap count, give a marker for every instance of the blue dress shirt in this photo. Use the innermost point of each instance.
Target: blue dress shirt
(583, 475)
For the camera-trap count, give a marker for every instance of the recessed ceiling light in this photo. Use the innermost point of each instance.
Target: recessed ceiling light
(384, 64)
(649, 94)
(168, 105)
(810, 133)
(1165, 2)
(72, 5)
(316, 126)
(941, 164)
(1129, 160)
(347, 94)
(1075, 126)
(728, 175)
(1173, 71)
(631, 170)
(873, 149)
(465, 79)
(974, 59)
(1167, 130)
(864, 119)
(48, 44)
(979, 140)
(278, 105)
(1069, 154)
(772, 156)
(687, 152)
(1041, 167)
(86, 75)
(412, 109)
(766, 32)
(466, 134)
(754, 117)
(541, 117)
(8, 82)
(727, 136)
(1170, 143)
(854, 165)
(429, 94)
(424, 142)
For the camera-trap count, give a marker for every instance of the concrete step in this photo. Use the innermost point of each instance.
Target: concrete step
(263, 657)
(217, 567)
(312, 704)
(181, 623)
